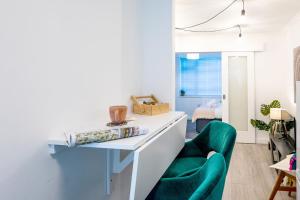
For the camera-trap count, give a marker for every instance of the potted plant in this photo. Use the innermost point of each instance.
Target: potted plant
(182, 92)
(265, 111)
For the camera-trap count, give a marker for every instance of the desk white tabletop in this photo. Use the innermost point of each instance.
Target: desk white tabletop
(284, 165)
(154, 123)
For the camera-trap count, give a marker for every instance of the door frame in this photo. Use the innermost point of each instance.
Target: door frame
(242, 136)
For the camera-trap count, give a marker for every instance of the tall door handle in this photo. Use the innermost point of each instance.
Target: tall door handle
(224, 96)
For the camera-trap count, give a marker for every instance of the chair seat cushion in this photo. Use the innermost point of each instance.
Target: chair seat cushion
(184, 166)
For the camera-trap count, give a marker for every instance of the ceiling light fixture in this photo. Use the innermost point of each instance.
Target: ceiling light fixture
(193, 56)
(243, 12)
(240, 29)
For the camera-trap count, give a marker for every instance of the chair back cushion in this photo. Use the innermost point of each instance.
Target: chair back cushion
(213, 181)
(205, 184)
(219, 137)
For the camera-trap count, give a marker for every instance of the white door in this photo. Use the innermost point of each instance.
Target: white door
(238, 93)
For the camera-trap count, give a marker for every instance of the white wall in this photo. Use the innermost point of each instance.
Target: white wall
(292, 32)
(131, 46)
(273, 61)
(273, 78)
(277, 60)
(215, 42)
(158, 51)
(61, 66)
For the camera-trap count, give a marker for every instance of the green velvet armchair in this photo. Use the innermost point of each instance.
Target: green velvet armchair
(215, 136)
(206, 183)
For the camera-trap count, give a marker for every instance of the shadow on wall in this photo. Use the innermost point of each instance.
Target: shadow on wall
(75, 174)
(82, 173)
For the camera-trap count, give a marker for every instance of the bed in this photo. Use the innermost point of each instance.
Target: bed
(204, 114)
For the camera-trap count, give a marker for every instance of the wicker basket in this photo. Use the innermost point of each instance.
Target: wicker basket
(153, 108)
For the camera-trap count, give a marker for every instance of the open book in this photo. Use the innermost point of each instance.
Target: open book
(74, 139)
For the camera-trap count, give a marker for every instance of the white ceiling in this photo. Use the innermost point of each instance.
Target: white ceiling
(261, 15)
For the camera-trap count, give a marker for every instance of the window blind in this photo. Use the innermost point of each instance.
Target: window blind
(202, 76)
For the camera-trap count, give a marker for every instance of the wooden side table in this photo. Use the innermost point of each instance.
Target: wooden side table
(283, 171)
(278, 187)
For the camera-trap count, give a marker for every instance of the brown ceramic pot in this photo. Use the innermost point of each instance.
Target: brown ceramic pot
(117, 114)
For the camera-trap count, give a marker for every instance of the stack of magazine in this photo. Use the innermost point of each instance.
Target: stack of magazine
(74, 139)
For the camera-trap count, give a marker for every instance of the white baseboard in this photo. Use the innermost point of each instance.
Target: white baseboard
(262, 140)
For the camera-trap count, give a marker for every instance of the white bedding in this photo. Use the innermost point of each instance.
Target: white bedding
(207, 113)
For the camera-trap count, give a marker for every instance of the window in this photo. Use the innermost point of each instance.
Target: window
(199, 74)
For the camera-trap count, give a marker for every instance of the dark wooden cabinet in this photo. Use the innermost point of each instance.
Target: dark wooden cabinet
(279, 148)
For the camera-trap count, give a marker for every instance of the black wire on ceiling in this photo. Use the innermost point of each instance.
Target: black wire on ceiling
(211, 18)
(217, 30)
(213, 30)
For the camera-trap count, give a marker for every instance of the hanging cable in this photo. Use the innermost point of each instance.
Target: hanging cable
(213, 17)
(217, 30)
(213, 30)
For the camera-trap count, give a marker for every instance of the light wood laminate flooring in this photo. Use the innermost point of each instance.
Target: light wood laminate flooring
(249, 176)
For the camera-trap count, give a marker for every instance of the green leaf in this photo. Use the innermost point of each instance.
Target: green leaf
(261, 125)
(253, 122)
(275, 104)
(265, 109)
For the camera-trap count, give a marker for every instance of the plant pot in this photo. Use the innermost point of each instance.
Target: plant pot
(117, 114)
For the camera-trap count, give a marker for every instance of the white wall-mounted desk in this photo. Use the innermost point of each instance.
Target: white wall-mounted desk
(151, 153)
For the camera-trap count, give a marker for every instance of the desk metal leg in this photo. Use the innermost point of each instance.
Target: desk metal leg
(118, 164)
(108, 172)
(115, 166)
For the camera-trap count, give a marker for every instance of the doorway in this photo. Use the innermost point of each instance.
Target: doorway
(238, 93)
(217, 86)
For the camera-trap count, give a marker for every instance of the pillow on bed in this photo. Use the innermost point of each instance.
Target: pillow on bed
(212, 103)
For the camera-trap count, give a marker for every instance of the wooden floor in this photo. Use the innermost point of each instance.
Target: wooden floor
(249, 176)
